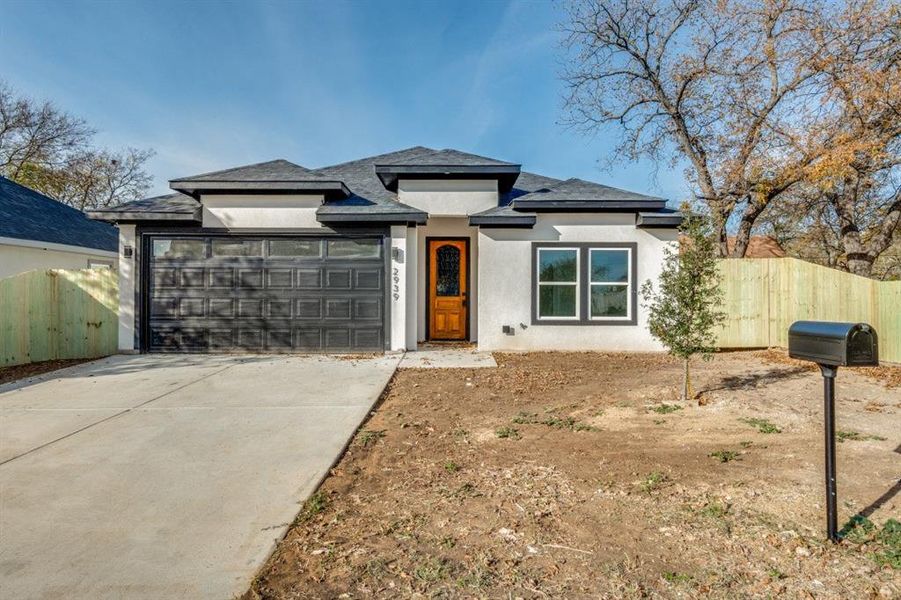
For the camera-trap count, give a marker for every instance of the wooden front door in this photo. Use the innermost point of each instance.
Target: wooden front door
(448, 289)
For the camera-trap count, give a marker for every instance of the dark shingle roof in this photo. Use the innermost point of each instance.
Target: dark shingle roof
(579, 190)
(29, 215)
(447, 158)
(169, 205)
(368, 198)
(273, 170)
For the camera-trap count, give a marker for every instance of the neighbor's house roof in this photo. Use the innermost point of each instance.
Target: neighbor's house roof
(368, 190)
(759, 246)
(26, 214)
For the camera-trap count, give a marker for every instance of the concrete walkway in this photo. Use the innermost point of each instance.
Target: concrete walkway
(451, 357)
(167, 476)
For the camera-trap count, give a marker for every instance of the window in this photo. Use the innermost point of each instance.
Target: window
(350, 248)
(584, 284)
(558, 283)
(179, 249)
(292, 248)
(227, 247)
(609, 284)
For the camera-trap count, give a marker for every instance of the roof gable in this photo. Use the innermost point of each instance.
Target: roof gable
(29, 215)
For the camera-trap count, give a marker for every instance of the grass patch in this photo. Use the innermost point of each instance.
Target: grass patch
(431, 570)
(568, 423)
(653, 481)
(856, 436)
(724, 456)
(314, 505)
(665, 409)
(451, 467)
(715, 510)
(887, 541)
(674, 577)
(762, 425)
(370, 437)
(511, 433)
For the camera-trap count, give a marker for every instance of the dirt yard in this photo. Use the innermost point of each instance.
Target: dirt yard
(15, 372)
(581, 475)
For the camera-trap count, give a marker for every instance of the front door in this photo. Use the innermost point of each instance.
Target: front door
(448, 288)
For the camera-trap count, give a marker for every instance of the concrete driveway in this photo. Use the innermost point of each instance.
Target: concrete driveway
(167, 476)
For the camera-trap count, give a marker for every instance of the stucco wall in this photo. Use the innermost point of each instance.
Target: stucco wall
(457, 227)
(15, 258)
(261, 211)
(505, 283)
(448, 198)
(126, 289)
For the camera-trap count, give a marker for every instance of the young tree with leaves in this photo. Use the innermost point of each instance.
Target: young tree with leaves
(683, 310)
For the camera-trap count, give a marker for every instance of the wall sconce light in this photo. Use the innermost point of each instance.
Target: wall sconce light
(128, 251)
(397, 254)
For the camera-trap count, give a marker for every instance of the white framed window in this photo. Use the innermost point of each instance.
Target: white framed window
(584, 283)
(557, 283)
(610, 284)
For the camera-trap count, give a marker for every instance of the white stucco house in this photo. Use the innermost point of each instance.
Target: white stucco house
(385, 253)
(37, 232)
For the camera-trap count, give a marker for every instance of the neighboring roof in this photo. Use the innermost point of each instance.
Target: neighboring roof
(29, 215)
(759, 246)
(272, 176)
(169, 207)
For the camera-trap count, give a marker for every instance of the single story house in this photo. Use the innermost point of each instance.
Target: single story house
(386, 252)
(37, 232)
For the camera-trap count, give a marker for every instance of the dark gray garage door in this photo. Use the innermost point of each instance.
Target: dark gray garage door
(266, 294)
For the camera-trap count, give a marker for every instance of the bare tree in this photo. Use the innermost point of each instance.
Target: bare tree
(51, 151)
(731, 87)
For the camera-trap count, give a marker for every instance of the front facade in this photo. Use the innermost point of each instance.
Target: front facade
(385, 253)
(37, 232)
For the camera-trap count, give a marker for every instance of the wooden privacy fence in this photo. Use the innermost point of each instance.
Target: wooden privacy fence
(47, 315)
(763, 296)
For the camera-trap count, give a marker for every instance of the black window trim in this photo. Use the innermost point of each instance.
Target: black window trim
(584, 284)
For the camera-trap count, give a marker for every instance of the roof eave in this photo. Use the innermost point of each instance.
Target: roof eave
(505, 221)
(405, 218)
(328, 188)
(506, 175)
(119, 216)
(658, 220)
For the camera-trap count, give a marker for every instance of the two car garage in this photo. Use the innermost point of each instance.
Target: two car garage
(267, 293)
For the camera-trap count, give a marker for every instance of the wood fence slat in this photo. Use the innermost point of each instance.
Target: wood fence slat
(763, 297)
(47, 315)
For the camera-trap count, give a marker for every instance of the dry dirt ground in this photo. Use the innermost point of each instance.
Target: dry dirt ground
(570, 475)
(8, 374)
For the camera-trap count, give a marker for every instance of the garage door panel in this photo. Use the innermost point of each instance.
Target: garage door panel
(312, 295)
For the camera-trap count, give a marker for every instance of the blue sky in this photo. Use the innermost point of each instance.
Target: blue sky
(211, 85)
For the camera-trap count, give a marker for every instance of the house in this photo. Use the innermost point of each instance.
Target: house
(37, 232)
(384, 253)
(759, 246)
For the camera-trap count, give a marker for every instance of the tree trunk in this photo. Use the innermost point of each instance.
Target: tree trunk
(687, 392)
(743, 235)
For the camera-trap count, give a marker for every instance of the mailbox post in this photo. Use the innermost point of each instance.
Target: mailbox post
(832, 345)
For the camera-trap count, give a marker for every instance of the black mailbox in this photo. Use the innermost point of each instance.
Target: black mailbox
(834, 344)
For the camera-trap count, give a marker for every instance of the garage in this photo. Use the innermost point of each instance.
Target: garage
(227, 293)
